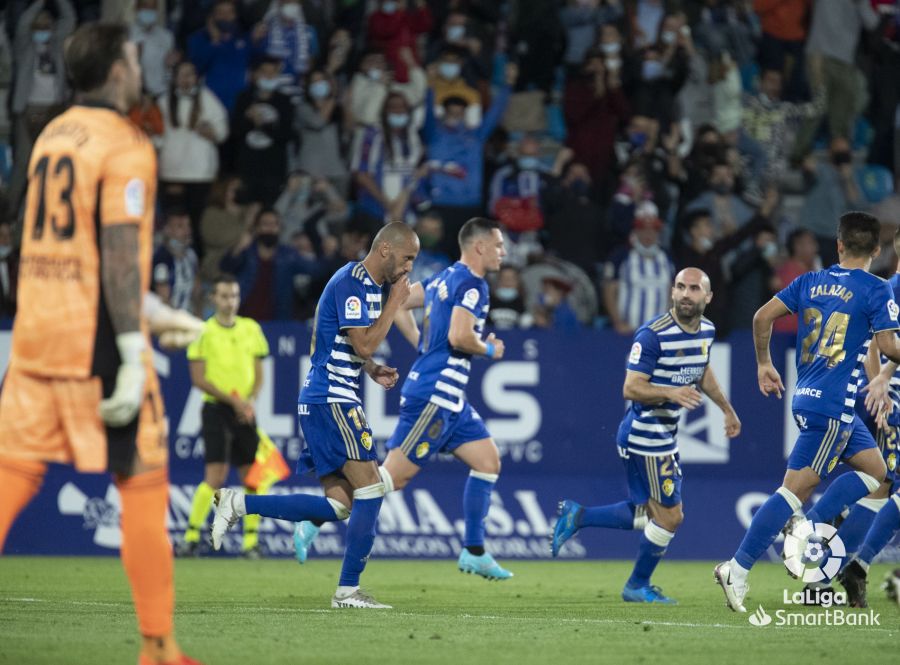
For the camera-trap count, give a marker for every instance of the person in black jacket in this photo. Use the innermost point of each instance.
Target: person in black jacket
(261, 127)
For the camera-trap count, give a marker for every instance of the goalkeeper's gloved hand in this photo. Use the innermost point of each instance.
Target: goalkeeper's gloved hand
(122, 406)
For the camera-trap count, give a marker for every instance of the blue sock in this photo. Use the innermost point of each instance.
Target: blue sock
(361, 532)
(654, 541)
(291, 507)
(844, 491)
(764, 528)
(886, 524)
(476, 502)
(614, 516)
(853, 529)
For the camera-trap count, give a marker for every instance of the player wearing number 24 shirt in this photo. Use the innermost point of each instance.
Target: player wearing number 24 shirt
(840, 309)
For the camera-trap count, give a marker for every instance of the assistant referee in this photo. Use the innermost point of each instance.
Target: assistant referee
(226, 363)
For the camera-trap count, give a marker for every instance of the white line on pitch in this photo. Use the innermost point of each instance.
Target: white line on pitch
(427, 615)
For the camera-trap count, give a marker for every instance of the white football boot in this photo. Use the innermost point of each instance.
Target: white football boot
(735, 591)
(229, 509)
(358, 599)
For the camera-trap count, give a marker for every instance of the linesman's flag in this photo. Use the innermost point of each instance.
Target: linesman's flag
(269, 466)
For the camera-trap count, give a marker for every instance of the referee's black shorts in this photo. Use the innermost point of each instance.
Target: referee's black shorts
(226, 439)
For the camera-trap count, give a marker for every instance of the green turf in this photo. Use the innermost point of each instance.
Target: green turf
(232, 612)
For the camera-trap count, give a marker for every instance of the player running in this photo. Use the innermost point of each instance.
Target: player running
(434, 413)
(840, 308)
(667, 368)
(349, 326)
(81, 388)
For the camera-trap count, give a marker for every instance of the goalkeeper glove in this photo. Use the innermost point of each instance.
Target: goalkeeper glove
(122, 406)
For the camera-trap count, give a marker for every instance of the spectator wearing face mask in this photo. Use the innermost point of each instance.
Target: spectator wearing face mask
(221, 53)
(266, 269)
(594, 106)
(370, 86)
(262, 128)
(575, 229)
(729, 211)
(508, 309)
(700, 246)
(9, 272)
(582, 19)
(552, 309)
(195, 124)
(318, 122)
(395, 26)
(457, 152)
(155, 44)
(638, 278)
(664, 70)
(285, 35)
(446, 81)
(384, 165)
(40, 88)
(175, 265)
(517, 190)
(830, 192)
(459, 32)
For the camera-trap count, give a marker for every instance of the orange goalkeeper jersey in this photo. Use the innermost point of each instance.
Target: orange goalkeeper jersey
(90, 168)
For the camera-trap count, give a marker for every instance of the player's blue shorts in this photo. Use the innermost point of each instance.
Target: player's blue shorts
(657, 478)
(824, 441)
(426, 429)
(334, 434)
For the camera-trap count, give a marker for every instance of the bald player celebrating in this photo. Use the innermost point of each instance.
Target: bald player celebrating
(668, 368)
(349, 326)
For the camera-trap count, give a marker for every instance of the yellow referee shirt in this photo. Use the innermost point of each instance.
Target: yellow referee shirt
(230, 354)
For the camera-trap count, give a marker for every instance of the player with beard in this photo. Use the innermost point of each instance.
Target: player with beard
(350, 324)
(668, 368)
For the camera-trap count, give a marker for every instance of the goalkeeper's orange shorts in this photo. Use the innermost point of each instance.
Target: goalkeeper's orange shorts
(57, 420)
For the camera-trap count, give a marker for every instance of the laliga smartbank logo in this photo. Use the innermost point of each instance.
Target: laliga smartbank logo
(813, 552)
(823, 615)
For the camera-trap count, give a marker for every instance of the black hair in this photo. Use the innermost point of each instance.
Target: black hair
(859, 231)
(793, 237)
(475, 227)
(91, 52)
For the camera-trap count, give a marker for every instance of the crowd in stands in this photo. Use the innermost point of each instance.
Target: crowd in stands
(616, 141)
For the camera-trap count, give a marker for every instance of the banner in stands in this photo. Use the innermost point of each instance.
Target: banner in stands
(553, 405)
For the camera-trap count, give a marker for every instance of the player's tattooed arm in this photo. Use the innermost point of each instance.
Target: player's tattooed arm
(710, 386)
(121, 276)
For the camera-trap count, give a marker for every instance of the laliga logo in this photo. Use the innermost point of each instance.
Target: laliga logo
(807, 545)
(760, 618)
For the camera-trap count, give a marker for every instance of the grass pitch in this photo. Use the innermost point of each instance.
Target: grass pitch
(233, 612)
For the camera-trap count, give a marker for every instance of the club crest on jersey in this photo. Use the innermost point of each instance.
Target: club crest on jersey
(353, 308)
(892, 461)
(366, 440)
(668, 487)
(422, 449)
(435, 429)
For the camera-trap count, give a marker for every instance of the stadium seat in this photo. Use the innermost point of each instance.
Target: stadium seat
(875, 182)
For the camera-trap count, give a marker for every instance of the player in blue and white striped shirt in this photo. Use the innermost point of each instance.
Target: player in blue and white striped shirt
(435, 415)
(348, 328)
(668, 367)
